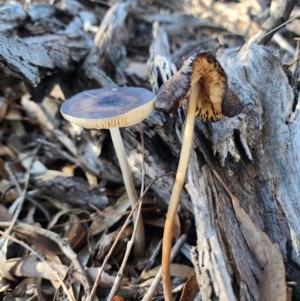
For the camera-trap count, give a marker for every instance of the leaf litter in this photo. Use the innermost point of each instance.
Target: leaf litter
(56, 178)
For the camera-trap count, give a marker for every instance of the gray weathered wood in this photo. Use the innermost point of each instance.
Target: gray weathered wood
(254, 153)
(21, 61)
(11, 17)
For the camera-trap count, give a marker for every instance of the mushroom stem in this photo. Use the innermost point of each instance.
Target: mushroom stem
(139, 244)
(177, 189)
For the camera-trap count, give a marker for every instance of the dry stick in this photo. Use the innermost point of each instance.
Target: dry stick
(19, 190)
(22, 196)
(151, 260)
(131, 241)
(127, 253)
(153, 287)
(281, 13)
(24, 245)
(119, 235)
(177, 189)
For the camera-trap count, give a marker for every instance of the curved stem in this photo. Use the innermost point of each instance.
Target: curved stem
(139, 244)
(177, 189)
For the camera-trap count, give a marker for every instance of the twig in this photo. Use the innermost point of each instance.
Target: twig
(152, 258)
(119, 235)
(284, 9)
(22, 197)
(24, 245)
(40, 207)
(13, 178)
(153, 287)
(126, 256)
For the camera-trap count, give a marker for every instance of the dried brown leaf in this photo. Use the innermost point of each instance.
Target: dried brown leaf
(107, 239)
(13, 114)
(25, 287)
(117, 298)
(3, 251)
(5, 215)
(31, 266)
(69, 279)
(272, 279)
(190, 289)
(76, 233)
(6, 151)
(177, 270)
(39, 241)
(157, 222)
(36, 114)
(177, 227)
(100, 224)
(3, 108)
(66, 141)
(139, 68)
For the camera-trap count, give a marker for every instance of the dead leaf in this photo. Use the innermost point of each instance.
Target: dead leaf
(40, 241)
(139, 68)
(36, 114)
(76, 234)
(69, 279)
(9, 193)
(13, 114)
(5, 215)
(190, 289)
(158, 222)
(37, 168)
(6, 151)
(177, 227)
(177, 270)
(272, 279)
(25, 287)
(66, 141)
(107, 240)
(100, 224)
(3, 251)
(3, 108)
(117, 298)
(31, 266)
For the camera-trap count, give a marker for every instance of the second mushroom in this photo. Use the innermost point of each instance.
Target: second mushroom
(203, 82)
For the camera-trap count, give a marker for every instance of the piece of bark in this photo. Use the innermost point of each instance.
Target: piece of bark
(11, 17)
(72, 190)
(110, 36)
(65, 49)
(29, 59)
(20, 61)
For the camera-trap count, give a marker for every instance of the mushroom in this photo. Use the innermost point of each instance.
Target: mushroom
(111, 108)
(203, 81)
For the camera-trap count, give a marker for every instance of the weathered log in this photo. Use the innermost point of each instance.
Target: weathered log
(257, 160)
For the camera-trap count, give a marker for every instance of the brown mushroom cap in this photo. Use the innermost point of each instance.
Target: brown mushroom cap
(203, 72)
(109, 107)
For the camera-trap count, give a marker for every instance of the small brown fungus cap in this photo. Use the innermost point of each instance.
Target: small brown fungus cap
(109, 107)
(203, 73)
